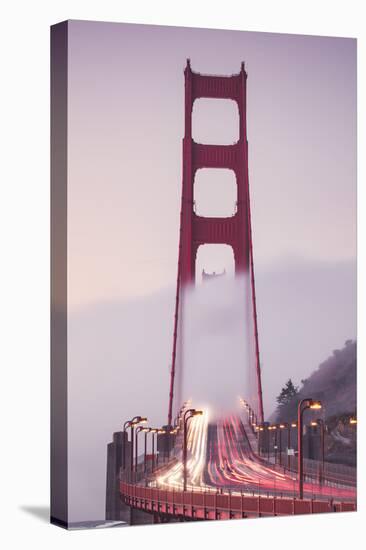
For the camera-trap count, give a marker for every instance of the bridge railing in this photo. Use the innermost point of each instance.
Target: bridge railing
(209, 505)
(334, 475)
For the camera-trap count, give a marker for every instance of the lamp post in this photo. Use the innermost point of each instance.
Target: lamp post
(129, 424)
(259, 430)
(254, 425)
(264, 437)
(289, 426)
(125, 426)
(269, 442)
(190, 413)
(146, 431)
(136, 420)
(319, 422)
(273, 428)
(275, 443)
(138, 430)
(171, 432)
(160, 431)
(282, 427)
(259, 440)
(153, 431)
(304, 404)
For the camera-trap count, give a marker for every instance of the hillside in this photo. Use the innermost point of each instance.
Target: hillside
(333, 383)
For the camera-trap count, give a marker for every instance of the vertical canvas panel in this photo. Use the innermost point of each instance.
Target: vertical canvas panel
(59, 465)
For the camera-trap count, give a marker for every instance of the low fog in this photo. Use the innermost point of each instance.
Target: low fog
(119, 356)
(218, 348)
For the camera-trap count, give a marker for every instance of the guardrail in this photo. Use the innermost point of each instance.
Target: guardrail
(334, 475)
(212, 506)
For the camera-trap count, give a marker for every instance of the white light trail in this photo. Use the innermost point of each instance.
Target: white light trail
(196, 453)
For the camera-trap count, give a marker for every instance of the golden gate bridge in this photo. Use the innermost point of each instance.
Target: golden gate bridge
(239, 465)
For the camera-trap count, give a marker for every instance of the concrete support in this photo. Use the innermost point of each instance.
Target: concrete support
(114, 509)
(165, 444)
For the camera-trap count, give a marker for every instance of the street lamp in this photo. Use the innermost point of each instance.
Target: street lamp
(259, 429)
(292, 425)
(146, 431)
(153, 431)
(138, 430)
(282, 427)
(275, 443)
(264, 439)
(160, 431)
(319, 422)
(269, 442)
(129, 424)
(171, 431)
(273, 428)
(190, 413)
(353, 420)
(125, 426)
(136, 420)
(304, 404)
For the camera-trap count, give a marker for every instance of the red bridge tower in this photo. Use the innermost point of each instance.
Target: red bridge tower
(196, 230)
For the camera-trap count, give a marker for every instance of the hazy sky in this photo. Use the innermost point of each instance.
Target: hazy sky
(126, 114)
(126, 92)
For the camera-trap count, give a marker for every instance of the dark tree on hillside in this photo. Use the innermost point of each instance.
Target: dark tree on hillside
(288, 392)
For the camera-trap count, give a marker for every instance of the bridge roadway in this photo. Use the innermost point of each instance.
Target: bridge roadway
(226, 479)
(233, 464)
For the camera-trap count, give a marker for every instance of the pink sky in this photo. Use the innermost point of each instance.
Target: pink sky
(125, 129)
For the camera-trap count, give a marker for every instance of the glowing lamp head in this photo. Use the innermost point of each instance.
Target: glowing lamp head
(316, 405)
(353, 420)
(294, 425)
(313, 423)
(282, 426)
